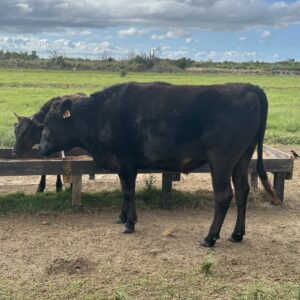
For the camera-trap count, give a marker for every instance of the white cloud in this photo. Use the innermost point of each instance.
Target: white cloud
(215, 15)
(173, 34)
(165, 48)
(177, 33)
(265, 34)
(174, 54)
(132, 31)
(226, 55)
(23, 8)
(242, 38)
(104, 48)
(83, 32)
(158, 37)
(46, 48)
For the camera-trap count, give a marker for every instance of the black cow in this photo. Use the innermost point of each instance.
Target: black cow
(28, 132)
(135, 126)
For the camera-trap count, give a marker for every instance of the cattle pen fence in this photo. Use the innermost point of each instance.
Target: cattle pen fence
(76, 163)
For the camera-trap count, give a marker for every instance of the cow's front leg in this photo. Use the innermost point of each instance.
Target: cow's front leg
(42, 184)
(128, 214)
(58, 184)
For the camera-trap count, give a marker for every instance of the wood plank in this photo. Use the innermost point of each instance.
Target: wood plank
(76, 167)
(271, 152)
(6, 153)
(275, 165)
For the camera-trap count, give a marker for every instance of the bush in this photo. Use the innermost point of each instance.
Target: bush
(164, 66)
(183, 63)
(123, 73)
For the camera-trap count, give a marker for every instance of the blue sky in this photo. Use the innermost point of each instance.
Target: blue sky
(219, 30)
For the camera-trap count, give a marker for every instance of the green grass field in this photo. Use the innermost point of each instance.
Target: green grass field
(24, 91)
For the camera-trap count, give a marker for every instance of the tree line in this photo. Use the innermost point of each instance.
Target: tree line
(149, 61)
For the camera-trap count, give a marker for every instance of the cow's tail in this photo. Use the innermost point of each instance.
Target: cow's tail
(260, 169)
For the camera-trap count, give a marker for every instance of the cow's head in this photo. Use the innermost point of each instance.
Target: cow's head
(58, 133)
(28, 133)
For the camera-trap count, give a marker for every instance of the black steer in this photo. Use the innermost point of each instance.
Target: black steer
(28, 132)
(135, 126)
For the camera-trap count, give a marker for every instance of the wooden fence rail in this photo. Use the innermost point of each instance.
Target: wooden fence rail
(275, 161)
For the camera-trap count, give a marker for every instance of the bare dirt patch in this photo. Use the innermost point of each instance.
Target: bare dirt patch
(71, 267)
(85, 256)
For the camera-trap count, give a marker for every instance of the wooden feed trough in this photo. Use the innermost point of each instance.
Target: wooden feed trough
(275, 161)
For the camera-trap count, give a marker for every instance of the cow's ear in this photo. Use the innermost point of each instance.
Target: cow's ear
(17, 116)
(66, 108)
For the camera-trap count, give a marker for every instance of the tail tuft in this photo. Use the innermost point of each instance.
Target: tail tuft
(269, 188)
(260, 137)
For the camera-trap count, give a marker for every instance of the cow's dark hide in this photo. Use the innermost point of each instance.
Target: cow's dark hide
(135, 126)
(28, 132)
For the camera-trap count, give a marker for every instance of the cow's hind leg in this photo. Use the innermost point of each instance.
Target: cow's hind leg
(242, 188)
(58, 184)
(42, 184)
(127, 177)
(223, 195)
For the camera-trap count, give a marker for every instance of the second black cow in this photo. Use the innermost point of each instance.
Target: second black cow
(135, 126)
(28, 132)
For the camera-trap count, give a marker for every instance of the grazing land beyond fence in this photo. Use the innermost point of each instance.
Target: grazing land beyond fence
(24, 91)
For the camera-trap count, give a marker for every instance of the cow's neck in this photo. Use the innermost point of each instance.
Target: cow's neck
(84, 126)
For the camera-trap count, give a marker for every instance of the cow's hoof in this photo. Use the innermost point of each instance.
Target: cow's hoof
(207, 243)
(120, 221)
(128, 230)
(235, 238)
(39, 191)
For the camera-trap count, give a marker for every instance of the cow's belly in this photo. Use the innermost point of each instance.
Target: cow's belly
(170, 156)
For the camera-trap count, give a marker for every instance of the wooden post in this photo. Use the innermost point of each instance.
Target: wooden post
(166, 189)
(166, 183)
(76, 191)
(254, 181)
(279, 184)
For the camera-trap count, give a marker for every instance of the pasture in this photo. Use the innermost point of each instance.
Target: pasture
(49, 252)
(24, 91)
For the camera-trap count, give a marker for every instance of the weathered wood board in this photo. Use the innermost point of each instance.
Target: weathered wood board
(275, 161)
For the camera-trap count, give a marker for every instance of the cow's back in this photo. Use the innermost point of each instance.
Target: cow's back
(156, 123)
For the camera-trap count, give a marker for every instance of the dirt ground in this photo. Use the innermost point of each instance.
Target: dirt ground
(49, 256)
